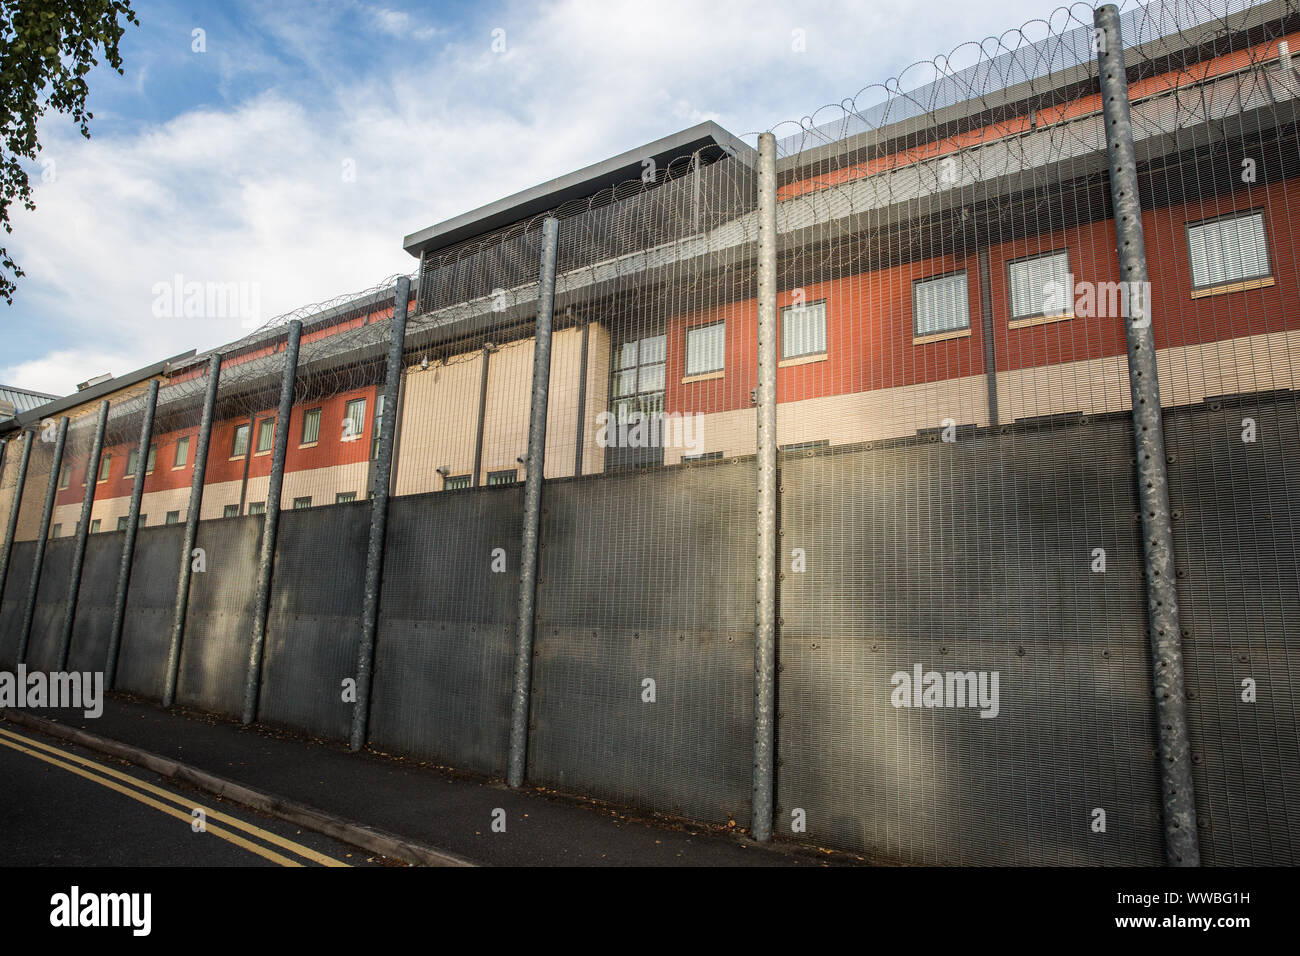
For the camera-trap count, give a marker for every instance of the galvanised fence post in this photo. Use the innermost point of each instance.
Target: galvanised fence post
(266, 559)
(1179, 801)
(51, 492)
(379, 517)
(765, 567)
(191, 530)
(83, 532)
(132, 530)
(520, 703)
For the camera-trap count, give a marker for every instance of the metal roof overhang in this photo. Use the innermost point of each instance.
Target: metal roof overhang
(574, 186)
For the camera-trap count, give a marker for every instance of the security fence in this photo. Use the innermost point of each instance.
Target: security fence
(920, 483)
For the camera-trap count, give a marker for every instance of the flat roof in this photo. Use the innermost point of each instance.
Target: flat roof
(576, 185)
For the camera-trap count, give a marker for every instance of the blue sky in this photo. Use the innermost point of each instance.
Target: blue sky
(297, 148)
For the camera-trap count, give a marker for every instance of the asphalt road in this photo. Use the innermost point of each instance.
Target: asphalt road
(67, 806)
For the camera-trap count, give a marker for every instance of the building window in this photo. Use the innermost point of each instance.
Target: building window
(1041, 287)
(803, 330)
(173, 517)
(375, 427)
(149, 462)
(1229, 249)
(65, 476)
(705, 348)
(144, 520)
(704, 456)
(455, 482)
(940, 305)
(105, 465)
(122, 522)
(354, 419)
(56, 530)
(133, 460)
(94, 526)
(239, 446)
(311, 426)
(639, 376)
(343, 497)
(505, 477)
(230, 511)
(257, 507)
(265, 434)
(182, 453)
(301, 502)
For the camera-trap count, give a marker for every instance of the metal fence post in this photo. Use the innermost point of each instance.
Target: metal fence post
(12, 528)
(765, 584)
(132, 529)
(1181, 841)
(83, 532)
(191, 530)
(379, 518)
(520, 704)
(51, 492)
(271, 524)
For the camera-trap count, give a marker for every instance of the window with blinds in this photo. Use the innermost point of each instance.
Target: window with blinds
(941, 304)
(704, 348)
(1041, 286)
(311, 426)
(1229, 249)
(803, 330)
(265, 435)
(354, 419)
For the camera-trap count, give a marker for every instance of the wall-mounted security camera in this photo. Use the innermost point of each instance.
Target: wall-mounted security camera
(443, 470)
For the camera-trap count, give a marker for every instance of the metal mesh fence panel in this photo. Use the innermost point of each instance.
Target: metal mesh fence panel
(94, 618)
(218, 621)
(445, 652)
(15, 599)
(142, 662)
(315, 606)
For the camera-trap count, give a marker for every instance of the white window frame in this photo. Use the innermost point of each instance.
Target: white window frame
(720, 328)
(1036, 312)
(1220, 221)
(955, 329)
(817, 306)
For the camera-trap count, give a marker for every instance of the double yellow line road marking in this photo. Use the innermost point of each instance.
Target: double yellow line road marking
(139, 790)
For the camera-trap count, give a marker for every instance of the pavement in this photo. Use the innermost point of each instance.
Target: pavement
(447, 813)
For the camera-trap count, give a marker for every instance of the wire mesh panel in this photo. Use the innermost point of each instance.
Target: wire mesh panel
(1238, 570)
(448, 614)
(884, 575)
(218, 622)
(643, 679)
(150, 600)
(44, 644)
(88, 648)
(315, 605)
(17, 579)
